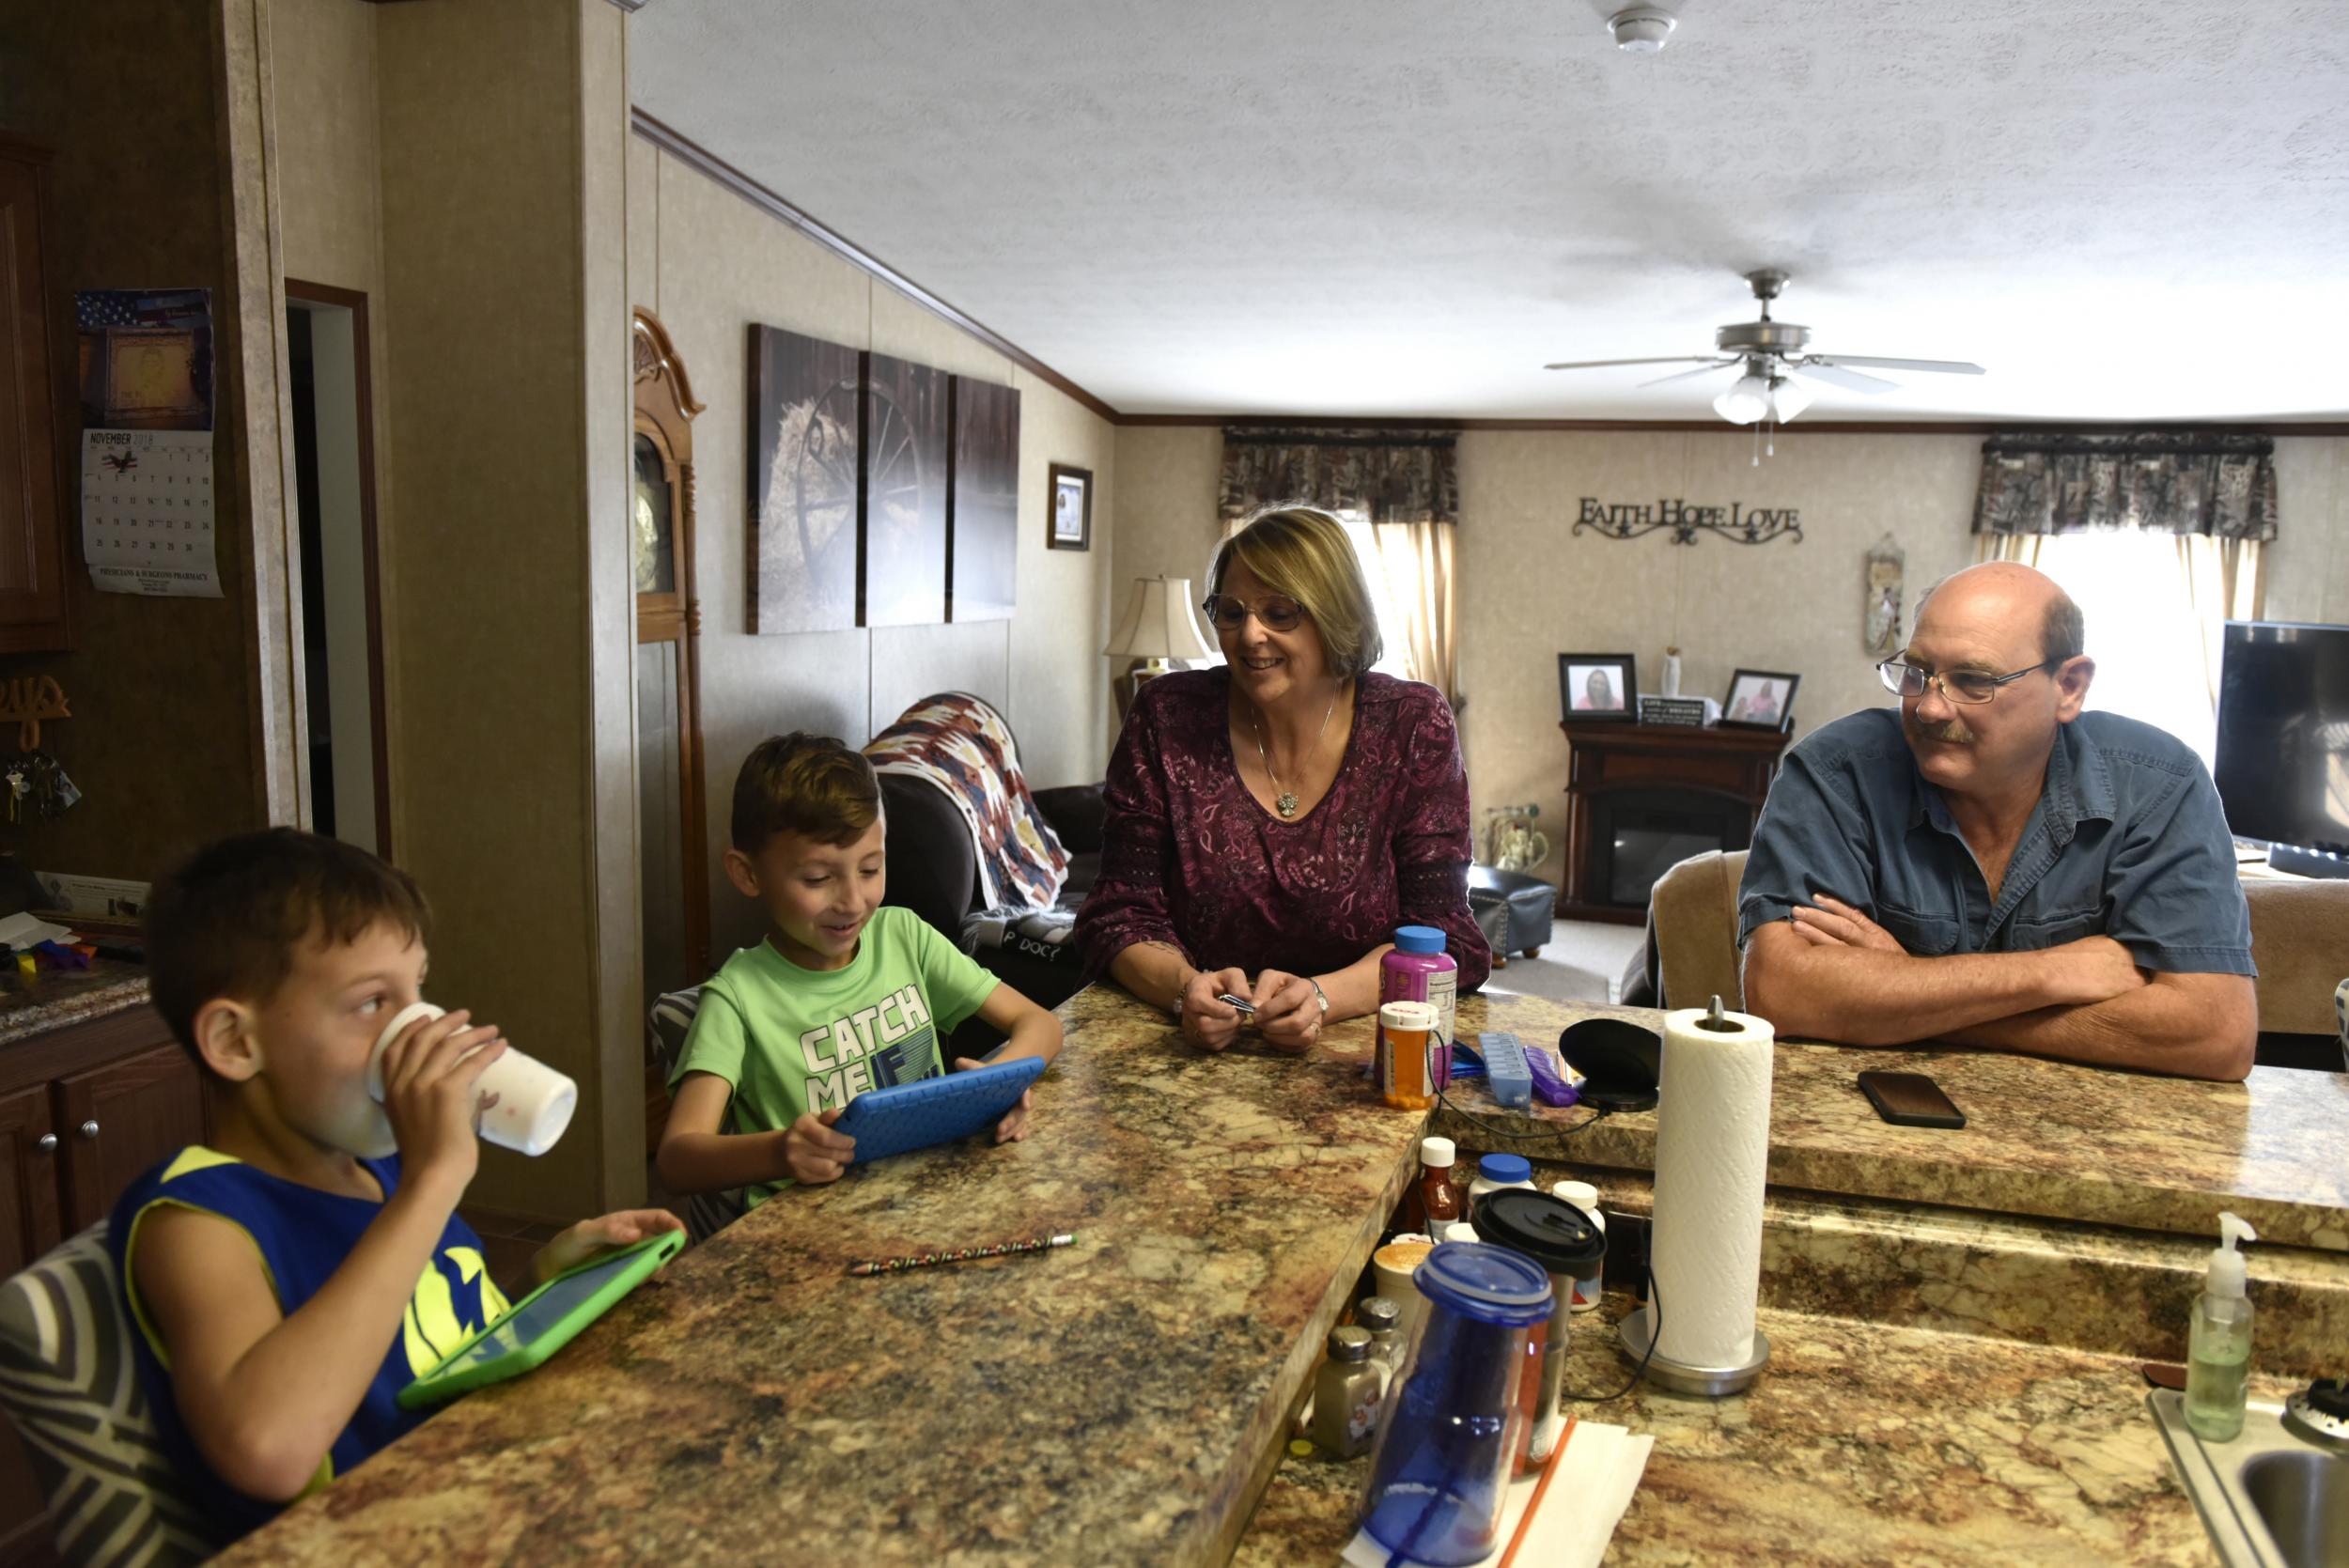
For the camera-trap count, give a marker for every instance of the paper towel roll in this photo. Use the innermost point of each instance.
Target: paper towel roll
(1712, 1157)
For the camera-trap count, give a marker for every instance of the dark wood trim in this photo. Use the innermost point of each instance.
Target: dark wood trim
(362, 367)
(700, 159)
(1718, 427)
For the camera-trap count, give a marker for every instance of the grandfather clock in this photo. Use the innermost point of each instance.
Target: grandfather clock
(671, 836)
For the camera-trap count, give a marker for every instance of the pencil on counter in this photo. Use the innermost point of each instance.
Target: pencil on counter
(924, 1259)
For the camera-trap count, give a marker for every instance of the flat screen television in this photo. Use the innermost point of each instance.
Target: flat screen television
(2283, 734)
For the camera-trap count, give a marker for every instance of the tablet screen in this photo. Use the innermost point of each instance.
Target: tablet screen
(540, 1314)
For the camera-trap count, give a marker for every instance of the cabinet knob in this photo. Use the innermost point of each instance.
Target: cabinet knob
(89, 1129)
(48, 1143)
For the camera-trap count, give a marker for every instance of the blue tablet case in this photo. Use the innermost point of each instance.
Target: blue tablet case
(908, 1116)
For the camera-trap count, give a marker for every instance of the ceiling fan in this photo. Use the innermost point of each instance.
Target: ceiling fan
(1774, 354)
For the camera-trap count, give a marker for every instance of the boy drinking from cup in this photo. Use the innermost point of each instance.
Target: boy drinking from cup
(845, 994)
(289, 1279)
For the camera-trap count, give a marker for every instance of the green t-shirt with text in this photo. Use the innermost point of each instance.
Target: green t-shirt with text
(790, 1040)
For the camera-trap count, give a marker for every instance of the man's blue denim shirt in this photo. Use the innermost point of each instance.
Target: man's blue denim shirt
(2128, 841)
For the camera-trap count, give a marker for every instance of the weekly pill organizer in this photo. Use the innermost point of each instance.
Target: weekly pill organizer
(908, 1116)
(542, 1322)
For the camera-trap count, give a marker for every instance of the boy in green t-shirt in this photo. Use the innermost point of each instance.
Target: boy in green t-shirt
(845, 994)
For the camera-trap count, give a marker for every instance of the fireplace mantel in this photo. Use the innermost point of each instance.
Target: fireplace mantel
(1629, 766)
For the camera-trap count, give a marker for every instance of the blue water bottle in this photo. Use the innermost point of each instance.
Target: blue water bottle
(1447, 1438)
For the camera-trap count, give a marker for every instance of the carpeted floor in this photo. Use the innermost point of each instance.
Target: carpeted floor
(1582, 961)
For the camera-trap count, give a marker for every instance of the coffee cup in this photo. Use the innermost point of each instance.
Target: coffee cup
(532, 1105)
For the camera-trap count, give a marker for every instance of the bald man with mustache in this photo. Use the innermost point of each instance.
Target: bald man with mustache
(1991, 866)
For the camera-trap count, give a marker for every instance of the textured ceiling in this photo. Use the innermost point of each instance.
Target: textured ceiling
(2131, 209)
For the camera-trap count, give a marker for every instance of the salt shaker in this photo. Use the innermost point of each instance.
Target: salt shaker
(1346, 1396)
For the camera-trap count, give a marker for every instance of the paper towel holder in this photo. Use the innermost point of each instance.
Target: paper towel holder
(1633, 1338)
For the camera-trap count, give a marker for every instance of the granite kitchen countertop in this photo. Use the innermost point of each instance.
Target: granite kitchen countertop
(56, 997)
(1125, 1400)
(2044, 1138)
(1858, 1444)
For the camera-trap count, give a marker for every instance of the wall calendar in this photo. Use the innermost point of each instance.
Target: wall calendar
(147, 512)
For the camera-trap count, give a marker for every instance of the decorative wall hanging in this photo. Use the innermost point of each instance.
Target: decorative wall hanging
(806, 411)
(1747, 525)
(903, 575)
(1880, 612)
(983, 522)
(1070, 524)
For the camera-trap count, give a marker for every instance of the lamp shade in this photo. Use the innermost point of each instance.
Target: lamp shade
(1744, 402)
(1158, 623)
(1788, 399)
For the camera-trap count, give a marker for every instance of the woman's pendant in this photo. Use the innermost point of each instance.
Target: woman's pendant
(1286, 805)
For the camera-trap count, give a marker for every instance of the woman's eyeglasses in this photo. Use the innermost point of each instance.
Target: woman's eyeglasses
(1228, 614)
(1959, 686)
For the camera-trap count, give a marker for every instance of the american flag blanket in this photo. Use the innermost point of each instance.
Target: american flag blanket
(960, 744)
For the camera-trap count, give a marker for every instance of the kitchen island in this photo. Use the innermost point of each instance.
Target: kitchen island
(1125, 1400)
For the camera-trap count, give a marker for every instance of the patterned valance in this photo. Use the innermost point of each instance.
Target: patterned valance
(2162, 481)
(1386, 476)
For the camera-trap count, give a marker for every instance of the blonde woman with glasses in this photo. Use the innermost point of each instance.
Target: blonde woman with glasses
(1270, 823)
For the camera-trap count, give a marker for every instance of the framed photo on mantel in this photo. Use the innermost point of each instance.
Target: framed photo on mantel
(1761, 699)
(1597, 687)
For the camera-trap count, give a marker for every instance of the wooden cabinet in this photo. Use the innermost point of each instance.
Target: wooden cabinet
(32, 502)
(84, 1109)
(114, 1122)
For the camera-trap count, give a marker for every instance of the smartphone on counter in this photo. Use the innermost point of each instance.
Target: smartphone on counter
(1911, 1100)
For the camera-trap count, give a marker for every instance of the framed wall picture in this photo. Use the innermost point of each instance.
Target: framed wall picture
(984, 526)
(1761, 699)
(906, 442)
(806, 408)
(1070, 524)
(1602, 686)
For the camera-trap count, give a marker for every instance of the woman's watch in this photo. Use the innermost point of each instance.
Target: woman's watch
(1319, 992)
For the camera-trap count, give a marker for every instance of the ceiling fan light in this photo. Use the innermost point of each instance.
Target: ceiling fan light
(1788, 399)
(1744, 402)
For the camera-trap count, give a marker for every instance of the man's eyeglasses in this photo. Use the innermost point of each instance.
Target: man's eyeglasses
(1959, 686)
(1229, 613)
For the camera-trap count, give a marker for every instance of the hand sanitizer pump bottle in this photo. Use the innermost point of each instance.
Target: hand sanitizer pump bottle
(2218, 1341)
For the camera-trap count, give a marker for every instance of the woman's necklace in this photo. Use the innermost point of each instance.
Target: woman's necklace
(1284, 801)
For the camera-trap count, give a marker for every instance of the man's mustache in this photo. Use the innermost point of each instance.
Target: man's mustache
(1953, 733)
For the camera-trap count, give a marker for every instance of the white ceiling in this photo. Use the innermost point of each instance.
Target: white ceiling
(2136, 209)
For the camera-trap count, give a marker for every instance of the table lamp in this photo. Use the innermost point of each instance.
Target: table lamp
(1157, 627)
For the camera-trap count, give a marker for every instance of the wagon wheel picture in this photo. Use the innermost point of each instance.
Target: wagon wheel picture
(896, 489)
(823, 478)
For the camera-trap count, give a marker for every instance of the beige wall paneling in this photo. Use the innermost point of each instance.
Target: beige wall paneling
(1059, 681)
(1168, 476)
(494, 276)
(721, 266)
(328, 156)
(137, 196)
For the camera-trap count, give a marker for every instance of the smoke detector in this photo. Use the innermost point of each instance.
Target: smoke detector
(1641, 29)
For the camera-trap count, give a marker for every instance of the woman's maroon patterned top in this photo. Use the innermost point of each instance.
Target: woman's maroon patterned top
(1190, 857)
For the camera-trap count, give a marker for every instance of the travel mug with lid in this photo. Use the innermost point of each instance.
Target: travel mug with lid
(1439, 1466)
(1561, 1240)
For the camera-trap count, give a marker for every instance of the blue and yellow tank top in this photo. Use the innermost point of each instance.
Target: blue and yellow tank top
(302, 1235)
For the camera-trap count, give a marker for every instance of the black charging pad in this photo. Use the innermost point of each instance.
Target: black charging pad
(1618, 1060)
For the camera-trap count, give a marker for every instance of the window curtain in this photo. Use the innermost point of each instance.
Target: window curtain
(2225, 580)
(1406, 483)
(2208, 482)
